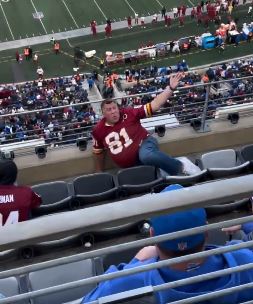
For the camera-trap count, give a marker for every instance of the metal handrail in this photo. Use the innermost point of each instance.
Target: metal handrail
(116, 98)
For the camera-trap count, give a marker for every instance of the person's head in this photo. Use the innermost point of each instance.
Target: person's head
(178, 221)
(8, 172)
(110, 110)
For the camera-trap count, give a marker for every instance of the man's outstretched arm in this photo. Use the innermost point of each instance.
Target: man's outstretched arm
(162, 98)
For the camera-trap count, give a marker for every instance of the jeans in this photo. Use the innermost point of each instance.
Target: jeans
(149, 154)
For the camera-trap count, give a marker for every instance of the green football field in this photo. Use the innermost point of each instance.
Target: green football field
(16, 17)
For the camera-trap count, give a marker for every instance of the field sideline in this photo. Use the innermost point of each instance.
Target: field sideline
(122, 40)
(18, 18)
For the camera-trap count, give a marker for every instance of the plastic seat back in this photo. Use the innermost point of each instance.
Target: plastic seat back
(59, 275)
(93, 184)
(11, 287)
(52, 192)
(137, 180)
(247, 153)
(219, 159)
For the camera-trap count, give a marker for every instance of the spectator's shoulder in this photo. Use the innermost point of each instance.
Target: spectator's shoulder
(96, 131)
(242, 256)
(23, 188)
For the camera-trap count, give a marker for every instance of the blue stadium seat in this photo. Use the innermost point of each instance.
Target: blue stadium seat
(55, 197)
(94, 188)
(137, 180)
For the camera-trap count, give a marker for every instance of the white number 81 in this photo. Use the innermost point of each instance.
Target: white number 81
(114, 143)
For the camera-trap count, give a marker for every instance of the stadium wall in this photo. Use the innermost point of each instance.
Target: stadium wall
(64, 163)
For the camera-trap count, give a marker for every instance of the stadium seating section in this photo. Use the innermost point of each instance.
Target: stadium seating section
(66, 125)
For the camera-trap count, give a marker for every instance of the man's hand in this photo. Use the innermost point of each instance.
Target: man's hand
(147, 253)
(162, 98)
(174, 80)
(232, 230)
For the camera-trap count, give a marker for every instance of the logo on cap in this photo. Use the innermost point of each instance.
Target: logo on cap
(182, 246)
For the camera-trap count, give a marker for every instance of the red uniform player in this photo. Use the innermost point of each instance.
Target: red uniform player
(108, 31)
(179, 11)
(93, 26)
(181, 20)
(193, 13)
(129, 22)
(183, 8)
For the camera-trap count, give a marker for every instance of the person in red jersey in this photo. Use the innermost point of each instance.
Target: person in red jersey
(93, 26)
(181, 20)
(193, 13)
(183, 8)
(16, 202)
(129, 22)
(108, 31)
(121, 134)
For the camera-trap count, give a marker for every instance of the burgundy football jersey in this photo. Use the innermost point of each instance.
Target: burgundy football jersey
(122, 139)
(16, 203)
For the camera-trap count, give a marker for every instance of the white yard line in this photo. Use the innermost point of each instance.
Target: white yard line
(7, 21)
(69, 43)
(100, 9)
(192, 4)
(72, 17)
(130, 6)
(159, 3)
(42, 24)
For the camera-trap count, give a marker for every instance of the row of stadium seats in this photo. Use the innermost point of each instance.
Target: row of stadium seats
(141, 228)
(74, 271)
(101, 188)
(53, 276)
(93, 189)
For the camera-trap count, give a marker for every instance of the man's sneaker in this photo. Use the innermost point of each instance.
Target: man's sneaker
(188, 167)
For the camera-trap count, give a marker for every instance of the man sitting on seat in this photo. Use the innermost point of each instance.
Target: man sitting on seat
(16, 202)
(128, 143)
(180, 247)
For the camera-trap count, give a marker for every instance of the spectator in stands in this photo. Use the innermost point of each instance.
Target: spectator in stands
(177, 248)
(128, 143)
(16, 202)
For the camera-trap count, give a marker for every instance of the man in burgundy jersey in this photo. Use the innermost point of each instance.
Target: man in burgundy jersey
(93, 26)
(129, 22)
(16, 202)
(121, 134)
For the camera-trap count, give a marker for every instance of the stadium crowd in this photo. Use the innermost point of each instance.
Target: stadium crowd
(53, 124)
(68, 123)
(188, 102)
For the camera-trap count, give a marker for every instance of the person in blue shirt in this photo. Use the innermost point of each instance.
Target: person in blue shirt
(179, 247)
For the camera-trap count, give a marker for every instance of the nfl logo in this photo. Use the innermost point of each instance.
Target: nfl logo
(182, 246)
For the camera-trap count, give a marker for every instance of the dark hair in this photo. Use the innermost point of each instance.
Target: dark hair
(107, 101)
(175, 254)
(8, 172)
